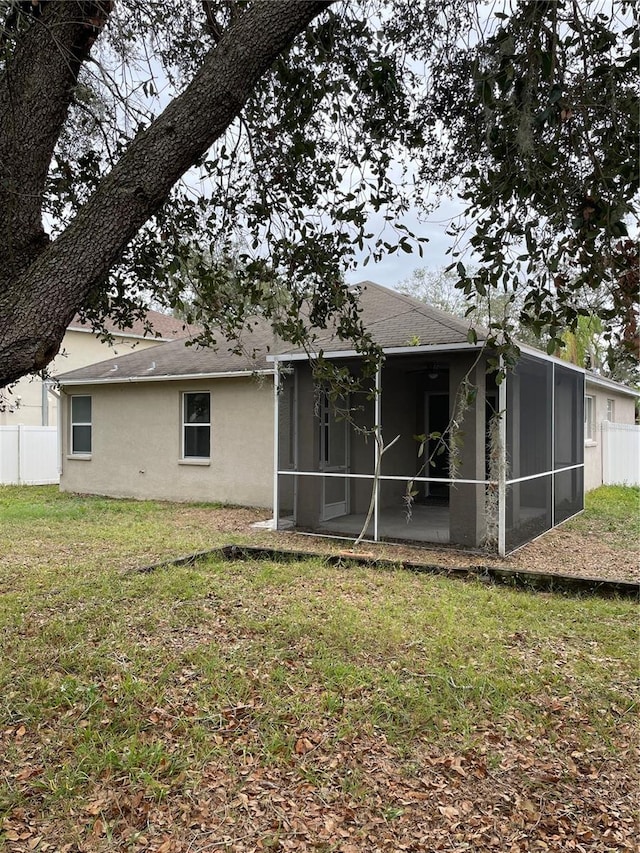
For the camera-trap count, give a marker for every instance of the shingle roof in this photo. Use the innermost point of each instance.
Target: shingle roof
(168, 328)
(397, 320)
(176, 359)
(393, 319)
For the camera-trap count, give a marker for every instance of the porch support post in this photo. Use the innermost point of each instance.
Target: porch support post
(276, 441)
(377, 420)
(502, 477)
(467, 523)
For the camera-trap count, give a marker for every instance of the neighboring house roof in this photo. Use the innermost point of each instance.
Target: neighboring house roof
(609, 384)
(166, 328)
(394, 319)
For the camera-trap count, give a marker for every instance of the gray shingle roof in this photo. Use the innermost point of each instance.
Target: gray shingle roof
(176, 359)
(393, 319)
(397, 320)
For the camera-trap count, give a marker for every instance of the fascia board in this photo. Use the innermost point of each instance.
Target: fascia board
(133, 335)
(543, 356)
(188, 377)
(611, 385)
(429, 348)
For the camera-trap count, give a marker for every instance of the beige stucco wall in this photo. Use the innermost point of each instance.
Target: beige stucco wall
(625, 412)
(136, 443)
(78, 350)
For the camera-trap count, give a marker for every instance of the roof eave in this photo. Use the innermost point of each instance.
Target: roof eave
(406, 350)
(190, 377)
(610, 384)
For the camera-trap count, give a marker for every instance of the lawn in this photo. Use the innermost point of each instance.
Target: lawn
(292, 706)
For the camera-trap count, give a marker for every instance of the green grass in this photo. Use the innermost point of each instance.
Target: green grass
(113, 680)
(612, 511)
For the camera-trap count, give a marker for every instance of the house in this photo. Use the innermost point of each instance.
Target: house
(172, 423)
(32, 402)
(186, 423)
(611, 438)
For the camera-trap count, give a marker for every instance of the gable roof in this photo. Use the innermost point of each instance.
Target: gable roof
(166, 327)
(394, 319)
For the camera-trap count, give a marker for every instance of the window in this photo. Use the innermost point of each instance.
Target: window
(589, 418)
(81, 424)
(196, 425)
(611, 410)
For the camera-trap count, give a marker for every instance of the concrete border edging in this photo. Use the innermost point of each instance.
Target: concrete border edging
(517, 579)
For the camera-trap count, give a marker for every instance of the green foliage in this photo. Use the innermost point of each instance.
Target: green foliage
(545, 122)
(583, 346)
(529, 110)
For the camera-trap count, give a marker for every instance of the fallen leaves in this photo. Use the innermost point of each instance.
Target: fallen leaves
(359, 794)
(209, 780)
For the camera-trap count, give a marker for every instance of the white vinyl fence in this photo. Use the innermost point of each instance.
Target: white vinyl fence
(29, 455)
(620, 454)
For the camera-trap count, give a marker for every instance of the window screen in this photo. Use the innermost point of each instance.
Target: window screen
(589, 410)
(568, 493)
(81, 424)
(197, 425)
(529, 401)
(528, 511)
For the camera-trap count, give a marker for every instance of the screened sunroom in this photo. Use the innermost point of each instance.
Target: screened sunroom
(503, 465)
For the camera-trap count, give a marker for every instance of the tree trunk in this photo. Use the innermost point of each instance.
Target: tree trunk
(47, 283)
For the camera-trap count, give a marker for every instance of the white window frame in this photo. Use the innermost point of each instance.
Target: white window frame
(611, 409)
(72, 424)
(185, 426)
(589, 419)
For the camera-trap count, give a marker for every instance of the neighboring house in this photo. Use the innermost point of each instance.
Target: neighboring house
(32, 402)
(187, 423)
(609, 419)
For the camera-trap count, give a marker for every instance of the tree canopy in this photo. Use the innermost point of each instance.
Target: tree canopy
(141, 143)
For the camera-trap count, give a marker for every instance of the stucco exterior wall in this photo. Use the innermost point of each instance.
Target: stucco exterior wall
(137, 443)
(625, 412)
(78, 350)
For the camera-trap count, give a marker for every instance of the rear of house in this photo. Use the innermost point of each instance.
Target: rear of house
(467, 461)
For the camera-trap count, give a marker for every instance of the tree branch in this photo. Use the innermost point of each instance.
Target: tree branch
(76, 265)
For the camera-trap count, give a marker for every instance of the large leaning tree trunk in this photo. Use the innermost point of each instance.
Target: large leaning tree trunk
(42, 282)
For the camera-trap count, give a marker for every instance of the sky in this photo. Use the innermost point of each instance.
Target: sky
(393, 269)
